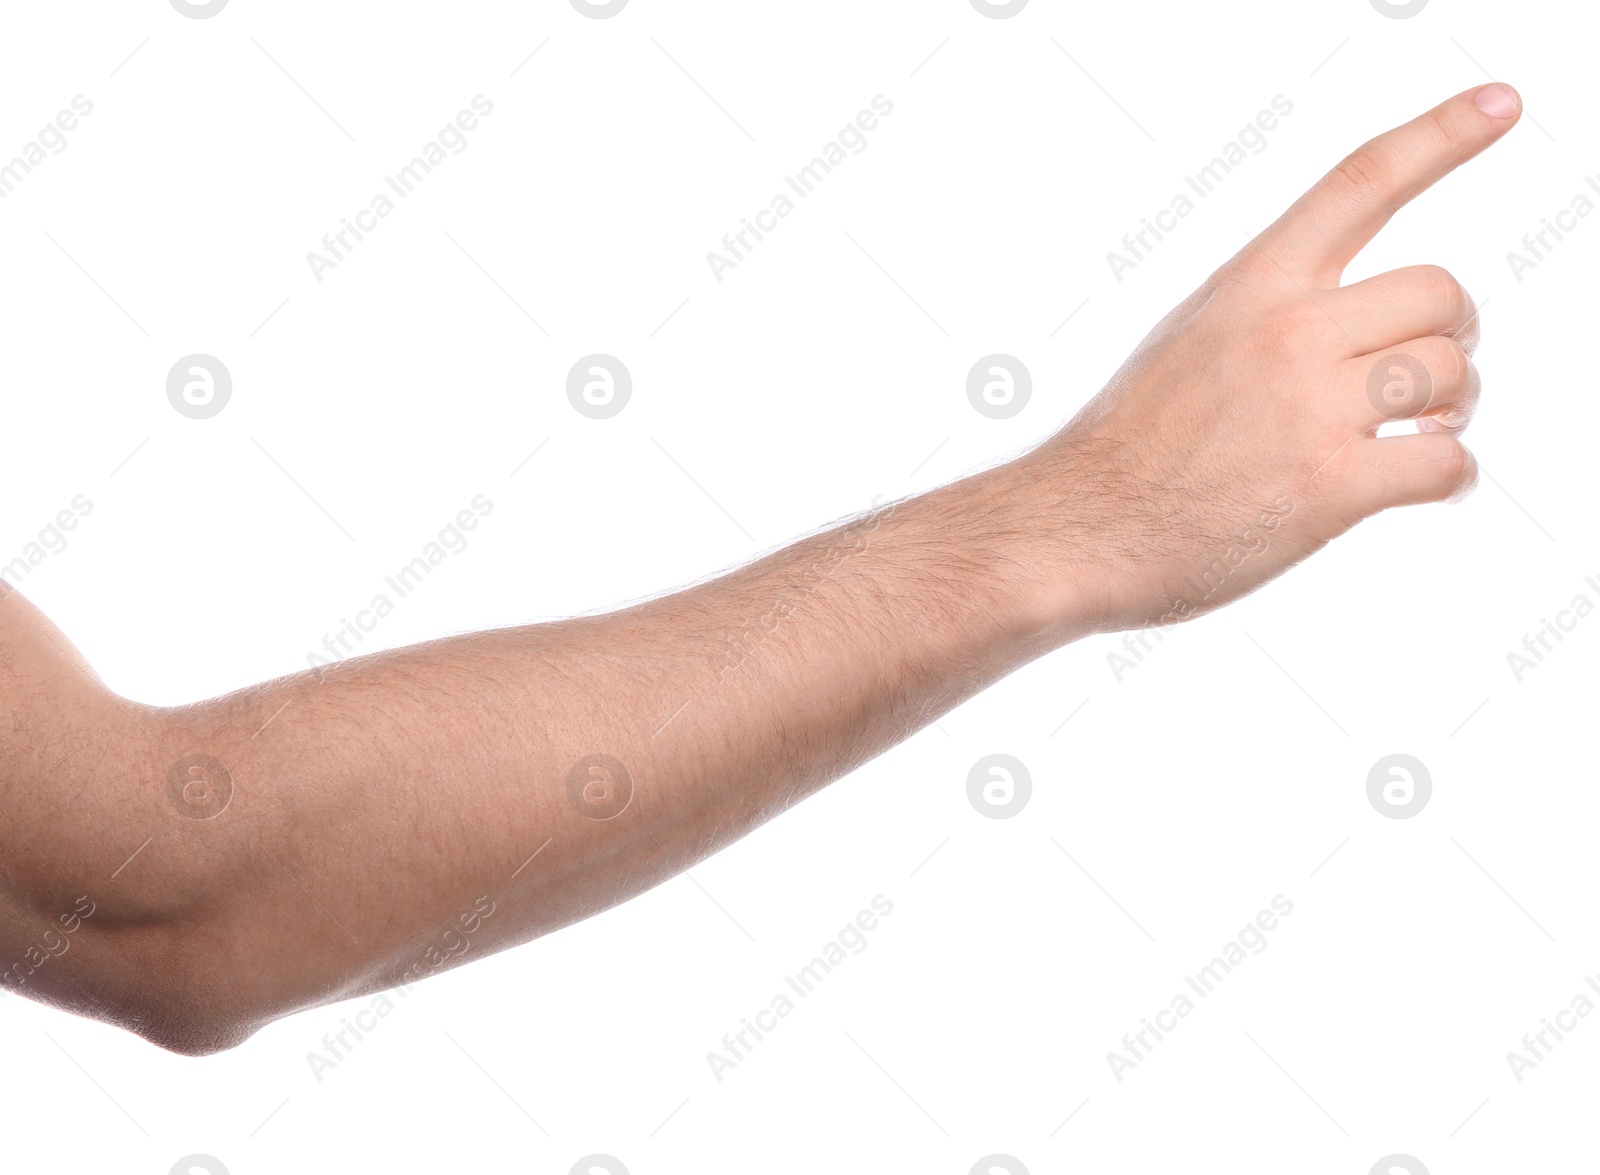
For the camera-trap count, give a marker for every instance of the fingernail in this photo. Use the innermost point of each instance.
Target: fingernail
(1498, 100)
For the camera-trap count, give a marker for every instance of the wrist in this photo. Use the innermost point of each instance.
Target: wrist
(1059, 581)
(1017, 559)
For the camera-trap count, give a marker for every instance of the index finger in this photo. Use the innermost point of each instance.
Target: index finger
(1324, 229)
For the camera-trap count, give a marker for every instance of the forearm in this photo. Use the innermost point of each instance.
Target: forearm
(381, 806)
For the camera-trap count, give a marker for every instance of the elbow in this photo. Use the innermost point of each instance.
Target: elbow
(189, 1035)
(197, 992)
(185, 1021)
(173, 986)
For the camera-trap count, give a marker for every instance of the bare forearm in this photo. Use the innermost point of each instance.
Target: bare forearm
(518, 780)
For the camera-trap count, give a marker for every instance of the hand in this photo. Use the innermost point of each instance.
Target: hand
(1242, 434)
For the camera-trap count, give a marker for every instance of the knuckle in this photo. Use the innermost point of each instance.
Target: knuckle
(1448, 133)
(1449, 363)
(1439, 287)
(1290, 327)
(1272, 335)
(1455, 470)
(1367, 174)
(1251, 271)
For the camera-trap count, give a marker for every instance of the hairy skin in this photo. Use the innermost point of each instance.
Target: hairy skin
(398, 814)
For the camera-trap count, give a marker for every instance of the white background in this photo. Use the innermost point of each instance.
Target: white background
(828, 368)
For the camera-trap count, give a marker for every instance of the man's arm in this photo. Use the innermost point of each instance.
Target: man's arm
(194, 873)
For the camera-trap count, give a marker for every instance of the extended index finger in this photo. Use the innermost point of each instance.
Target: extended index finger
(1320, 233)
